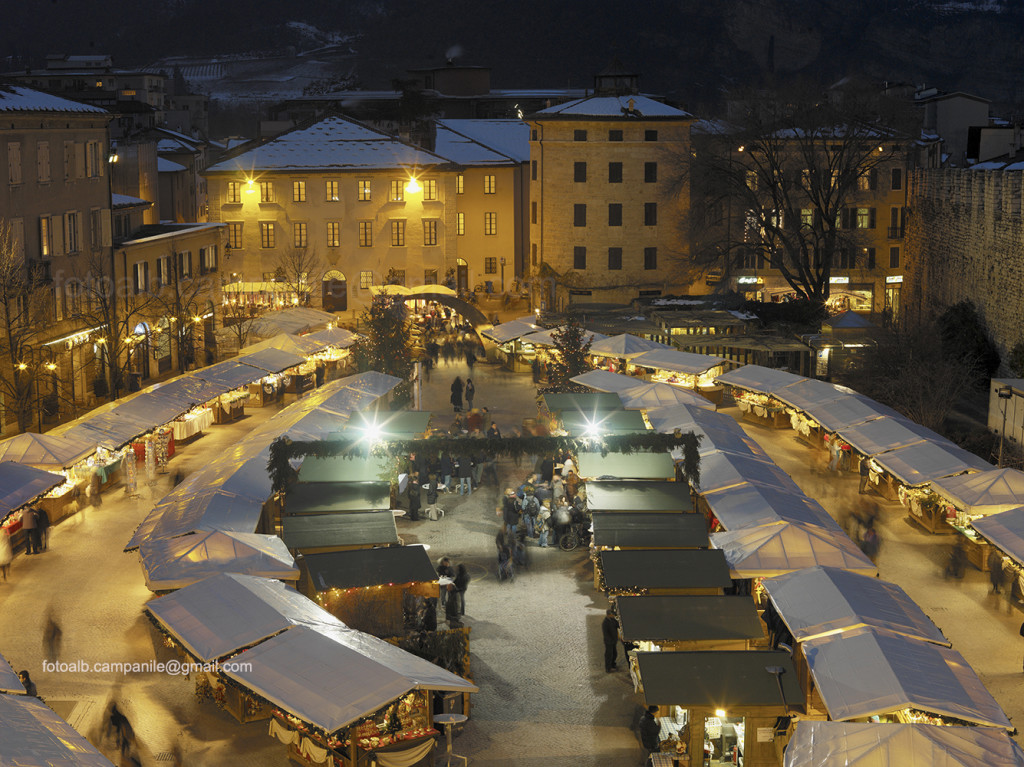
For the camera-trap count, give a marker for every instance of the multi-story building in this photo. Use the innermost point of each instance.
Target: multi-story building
(56, 203)
(607, 196)
(355, 208)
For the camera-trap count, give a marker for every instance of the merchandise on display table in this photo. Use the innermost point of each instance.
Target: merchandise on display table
(231, 406)
(192, 423)
(103, 465)
(130, 475)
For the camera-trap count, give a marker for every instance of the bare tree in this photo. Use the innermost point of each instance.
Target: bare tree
(25, 312)
(298, 269)
(182, 300)
(779, 191)
(240, 320)
(114, 308)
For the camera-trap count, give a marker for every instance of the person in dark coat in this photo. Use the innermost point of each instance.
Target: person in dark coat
(451, 609)
(413, 491)
(510, 512)
(29, 685)
(650, 730)
(456, 398)
(30, 524)
(461, 584)
(43, 525)
(547, 469)
(470, 393)
(610, 635)
(445, 570)
(465, 474)
(446, 470)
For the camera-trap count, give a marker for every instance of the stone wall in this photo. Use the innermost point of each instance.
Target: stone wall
(965, 240)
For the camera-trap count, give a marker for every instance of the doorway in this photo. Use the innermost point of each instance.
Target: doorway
(461, 275)
(334, 292)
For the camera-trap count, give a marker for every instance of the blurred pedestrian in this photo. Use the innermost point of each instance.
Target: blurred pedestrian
(957, 561)
(456, 398)
(30, 524)
(461, 584)
(995, 570)
(870, 543)
(413, 491)
(53, 637)
(610, 635)
(865, 474)
(43, 524)
(6, 552)
(470, 392)
(118, 727)
(445, 570)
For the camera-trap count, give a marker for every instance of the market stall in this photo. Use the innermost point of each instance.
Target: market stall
(751, 505)
(683, 623)
(823, 744)
(379, 591)
(666, 571)
(295, 320)
(721, 470)
(865, 672)
(849, 410)
(19, 486)
(723, 705)
(887, 433)
(510, 351)
(717, 431)
(173, 563)
(650, 396)
(605, 381)
(319, 533)
(1005, 532)
(692, 371)
(298, 372)
(377, 425)
(192, 508)
(624, 346)
(643, 464)
(54, 454)
(346, 468)
(957, 502)
(330, 497)
(644, 530)
(918, 464)
(752, 387)
(10, 683)
(629, 496)
(581, 402)
(35, 735)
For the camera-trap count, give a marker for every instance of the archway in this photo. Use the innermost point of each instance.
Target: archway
(461, 275)
(334, 292)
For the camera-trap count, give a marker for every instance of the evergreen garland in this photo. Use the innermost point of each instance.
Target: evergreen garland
(283, 450)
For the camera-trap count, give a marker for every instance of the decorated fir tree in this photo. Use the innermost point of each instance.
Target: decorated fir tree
(387, 347)
(571, 352)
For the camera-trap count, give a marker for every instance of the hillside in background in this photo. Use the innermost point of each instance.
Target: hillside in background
(690, 50)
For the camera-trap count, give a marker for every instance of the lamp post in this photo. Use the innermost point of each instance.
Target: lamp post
(502, 274)
(1004, 393)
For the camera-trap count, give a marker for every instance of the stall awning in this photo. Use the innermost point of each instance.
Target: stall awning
(600, 424)
(649, 396)
(369, 567)
(339, 399)
(152, 408)
(887, 433)
(721, 470)
(224, 613)
(35, 736)
(178, 562)
(665, 569)
(183, 513)
(753, 505)
(582, 402)
(638, 495)
(371, 382)
(625, 346)
(302, 346)
(644, 530)
(230, 374)
(677, 361)
(109, 429)
(880, 744)
(44, 451)
(865, 672)
(639, 465)
(304, 424)
(921, 463)
(21, 484)
(604, 381)
(188, 389)
(767, 550)
(297, 319)
(732, 680)
(547, 337)
(389, 424)
(688, 618)
(510, 331)
(823, 600)
(987, 492)
(270, 360)
(810, 394)
(337, 337)
(756, 378)
(9, 681)
(331, 677)
(327, 497)
(353, 528)
(1004, 530)
(717, 430)
(345, 468)
(848, 411)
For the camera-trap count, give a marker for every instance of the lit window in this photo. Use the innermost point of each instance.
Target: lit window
(45, 237)
(365, 280)
(460, 224)
(299, 234)
(235, 234)
(364, 191)
(490, 265)
(489, 184)
(865, 218)
(397, 191)
(430, 189)
(234, 191)
(460, 184)
(398, 233)
(365, 234)
(333, 234)
(430, 231)
(331, 191)
(266, 234)
(266, 191)
(490, 223)
(298, 191)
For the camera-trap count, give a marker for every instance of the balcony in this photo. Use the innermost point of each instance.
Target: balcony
(895, 232)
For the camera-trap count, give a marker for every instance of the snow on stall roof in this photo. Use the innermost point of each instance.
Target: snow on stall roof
(331, 144)
(123, 200)
(163, 165)
(510, 138)
(18, 98)
(614, 106)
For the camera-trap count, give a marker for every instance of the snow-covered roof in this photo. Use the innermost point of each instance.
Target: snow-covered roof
(615, 106)
(483, 142)
(18, 98)
(124, 201)
(163, 165)
(334, 143)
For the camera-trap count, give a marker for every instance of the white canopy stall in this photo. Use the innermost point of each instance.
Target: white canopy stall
(720, 470)
(624, 346)
(754, 505)
(987, 492)
(768, 550)
(34, 736)
(178, 562)
(603, 380)
(650, 396)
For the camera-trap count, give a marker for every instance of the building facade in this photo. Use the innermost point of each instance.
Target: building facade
(607, 203)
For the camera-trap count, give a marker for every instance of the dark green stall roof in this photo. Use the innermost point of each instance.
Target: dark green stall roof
(587, 424)
(638, 495)
(688, 618)
(385, 424)
(718, 679)
(646, 530)
(325, 497)
(583, 402)
(345, 468)
(358, 528)
(638, 465)
(665, 569)
(369, 567)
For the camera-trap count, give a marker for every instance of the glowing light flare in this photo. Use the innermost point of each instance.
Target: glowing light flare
(412, 186)
(250, 186)
(719, 712)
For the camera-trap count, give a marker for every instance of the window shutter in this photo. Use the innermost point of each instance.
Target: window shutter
(79, 160)
(57, 233)
(18, 237)
(105, 238)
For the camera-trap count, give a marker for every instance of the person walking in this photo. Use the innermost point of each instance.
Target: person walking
(445, 570)
(865, 475)
(6, 552)
(456, 398)
(493, 432)
(53, 638)
(465, 469)
(509, 511)
(650, 732)
(446, 470)
(610, 635)
(432, 492)
(543, 524)
(413, 491)
(995, 570)
(470, 393)
(43, 519)
(461, 584)
(30, 524)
